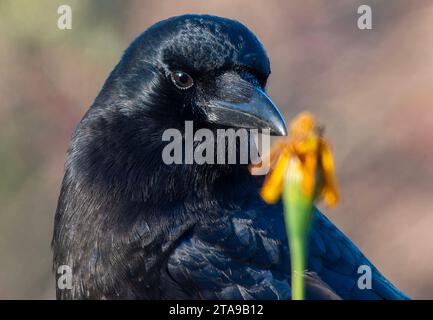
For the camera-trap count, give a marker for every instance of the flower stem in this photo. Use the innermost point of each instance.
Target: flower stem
(298, 209)
(298, 254)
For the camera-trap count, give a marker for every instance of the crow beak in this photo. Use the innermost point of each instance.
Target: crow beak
(251, 109)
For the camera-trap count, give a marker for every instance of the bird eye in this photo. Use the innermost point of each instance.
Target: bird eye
(181, 80)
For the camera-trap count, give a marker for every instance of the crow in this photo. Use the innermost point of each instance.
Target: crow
(130, 226)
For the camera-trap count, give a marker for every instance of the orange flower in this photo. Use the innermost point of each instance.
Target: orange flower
(309, 157)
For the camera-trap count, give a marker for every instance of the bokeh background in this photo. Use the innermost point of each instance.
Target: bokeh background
(372, 89)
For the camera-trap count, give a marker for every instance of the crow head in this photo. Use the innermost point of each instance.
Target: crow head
(122, 208)
(205, 69)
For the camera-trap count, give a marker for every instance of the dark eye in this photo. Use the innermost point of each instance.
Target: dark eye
(182, 80)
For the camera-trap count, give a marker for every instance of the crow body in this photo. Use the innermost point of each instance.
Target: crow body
(133, 227)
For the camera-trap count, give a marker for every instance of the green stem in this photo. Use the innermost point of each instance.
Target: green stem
(298, 254)
(298, 209)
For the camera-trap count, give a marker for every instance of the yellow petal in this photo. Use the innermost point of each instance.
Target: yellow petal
(302, 125)
(268, 160)
(273, 185)
(329, 190)
(309, 173)
(330, 196)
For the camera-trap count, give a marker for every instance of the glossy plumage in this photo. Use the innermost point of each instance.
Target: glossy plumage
(245, 256)
(132, 227)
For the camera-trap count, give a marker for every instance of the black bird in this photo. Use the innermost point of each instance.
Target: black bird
(131, 226)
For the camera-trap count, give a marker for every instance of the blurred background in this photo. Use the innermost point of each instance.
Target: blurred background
(372, 89)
